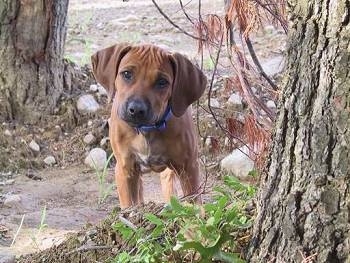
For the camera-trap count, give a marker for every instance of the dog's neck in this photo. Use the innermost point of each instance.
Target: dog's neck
(158, 126)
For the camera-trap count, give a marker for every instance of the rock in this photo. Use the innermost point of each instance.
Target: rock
(93, 88)
(34, 146)
(89, 123)
(7, 258)
(89, 138)
(50, 160)
(101, 90)
(235, 100)
(273, 66)
(214, 103)
(12, 200)
(271, 104)
(87, 104)
(104, 141)
(96, 158)
(238, 163)
(7, 133)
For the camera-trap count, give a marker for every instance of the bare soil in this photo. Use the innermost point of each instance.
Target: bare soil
(69, 190)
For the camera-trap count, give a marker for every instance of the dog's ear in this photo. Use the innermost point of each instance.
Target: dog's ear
(189, 84)
(105, 65)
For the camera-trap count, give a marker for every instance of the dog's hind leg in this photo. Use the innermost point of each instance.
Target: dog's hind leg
(167, 180)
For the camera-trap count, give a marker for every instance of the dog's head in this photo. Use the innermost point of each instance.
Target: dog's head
(145, 79)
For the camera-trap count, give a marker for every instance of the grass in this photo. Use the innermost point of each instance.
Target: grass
(40, 228)
(104, 188)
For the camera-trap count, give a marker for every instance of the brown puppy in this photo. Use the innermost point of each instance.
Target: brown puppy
(151, 127)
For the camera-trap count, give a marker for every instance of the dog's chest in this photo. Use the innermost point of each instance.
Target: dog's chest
(150, 154)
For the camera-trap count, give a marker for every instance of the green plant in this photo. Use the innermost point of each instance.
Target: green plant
(40, 228)
(197, 233)
(104, 188)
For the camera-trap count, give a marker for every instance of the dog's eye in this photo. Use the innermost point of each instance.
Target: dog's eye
(127, 75)
(161, 83)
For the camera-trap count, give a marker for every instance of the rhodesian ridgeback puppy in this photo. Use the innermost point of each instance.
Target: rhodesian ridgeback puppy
(151, 126)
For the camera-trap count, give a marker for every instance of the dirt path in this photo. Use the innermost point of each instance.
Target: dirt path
(71, 200)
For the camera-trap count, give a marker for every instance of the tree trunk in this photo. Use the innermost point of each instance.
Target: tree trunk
(304, 200)
(32, 36)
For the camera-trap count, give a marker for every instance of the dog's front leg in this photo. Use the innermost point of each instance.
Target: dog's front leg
(129, 184)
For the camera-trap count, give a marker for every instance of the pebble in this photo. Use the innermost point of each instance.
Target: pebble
(34, 146)
(87, 104)
(7, 133)
(214, 103)
(271, 104)
(50, 160)
(12, 200)
(238, 163)
(104, 141)
(89, 139)
(235, 100)
(96, 158)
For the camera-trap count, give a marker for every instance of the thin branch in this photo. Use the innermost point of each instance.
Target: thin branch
(175, 25)
(185, 13)
(258, 65)
(127, 222)
(17, 232)
(209, 96)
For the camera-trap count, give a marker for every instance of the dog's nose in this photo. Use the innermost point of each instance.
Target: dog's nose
(137, 109)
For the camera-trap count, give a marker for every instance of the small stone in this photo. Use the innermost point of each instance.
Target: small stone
(7, 133)
(34, 146)
(271, 104)
(104, 141)
(87, 104)
(208, 141)
(214, 103)
(12, 200)
(96, 158)
(89, 139)
(93, 88)
(235, 100)
(50, 160)
(89, 123)
(238, 163)
(101, 90)
(273, 66)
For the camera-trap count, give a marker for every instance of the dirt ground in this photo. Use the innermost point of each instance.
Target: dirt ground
(70, 192)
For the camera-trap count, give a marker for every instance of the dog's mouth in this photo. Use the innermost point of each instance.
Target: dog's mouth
(135, 121)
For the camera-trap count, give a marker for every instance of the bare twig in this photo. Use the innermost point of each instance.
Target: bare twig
(258, 65)
(209, 96)
(185, 13)
(127, 222)
(175, 25)
(17, 232)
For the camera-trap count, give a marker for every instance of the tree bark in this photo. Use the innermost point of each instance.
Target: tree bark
(304, 200)
(32, 37)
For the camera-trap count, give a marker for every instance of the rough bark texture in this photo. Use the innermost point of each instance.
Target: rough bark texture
(304, 201)
(32, 36)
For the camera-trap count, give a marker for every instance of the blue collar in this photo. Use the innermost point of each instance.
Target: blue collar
(159, 125)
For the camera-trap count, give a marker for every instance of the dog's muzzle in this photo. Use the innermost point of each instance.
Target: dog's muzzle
(137, 112)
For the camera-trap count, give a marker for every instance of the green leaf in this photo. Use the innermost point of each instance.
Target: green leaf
(154, 219)
(175, 205)
(227, 257)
